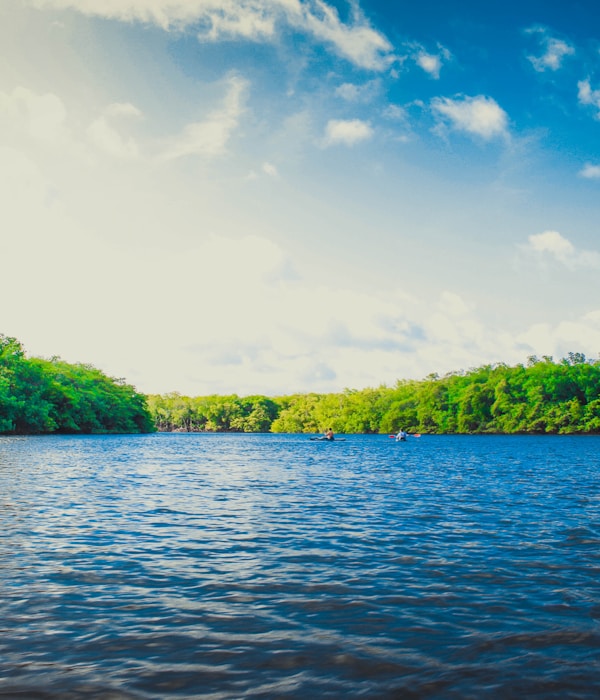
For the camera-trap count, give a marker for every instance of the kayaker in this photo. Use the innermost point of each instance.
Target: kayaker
(401, 436)
(329, 434)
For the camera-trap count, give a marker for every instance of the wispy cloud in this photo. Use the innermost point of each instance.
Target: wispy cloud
(358, 42)
(29, 119)
(478, 116)
(347, 132)
(210, 136)
(554, 51)
(254, 20)
(551, 245)
(589, 97)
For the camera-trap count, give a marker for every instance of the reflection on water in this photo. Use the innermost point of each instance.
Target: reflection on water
(229, 566)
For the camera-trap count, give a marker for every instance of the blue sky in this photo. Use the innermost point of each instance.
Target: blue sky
(272, 196)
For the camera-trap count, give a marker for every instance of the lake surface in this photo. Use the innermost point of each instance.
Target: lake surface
(269, 566)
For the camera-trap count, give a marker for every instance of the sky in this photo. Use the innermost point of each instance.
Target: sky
(281, 196)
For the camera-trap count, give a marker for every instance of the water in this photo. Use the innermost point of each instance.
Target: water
(269, 566)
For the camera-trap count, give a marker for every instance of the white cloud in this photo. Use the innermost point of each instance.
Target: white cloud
(105, 136)
(554, 52)
(587, 96)
(453, 305)
(553, 245)
(122, 109)
(255, 20)
(30, 120)
(590, 171)
(581, 334)
(246, 20)
(23, 190)
(395, 112)
(347, 132)
(479, 116)
(430, 63)
(211, 136)
(358, 93)
(270, 170)
(354, 339)
(267, 169)
(358, 42)
(176, 14)
(39, 117)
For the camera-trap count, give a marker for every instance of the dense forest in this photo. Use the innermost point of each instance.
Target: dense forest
(543, 396)
(52, 396)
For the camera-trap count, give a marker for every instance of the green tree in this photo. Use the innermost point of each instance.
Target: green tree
(297, 414)
(44, 396)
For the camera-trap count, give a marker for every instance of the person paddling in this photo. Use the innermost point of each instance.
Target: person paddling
(401, 436)
(329, 434)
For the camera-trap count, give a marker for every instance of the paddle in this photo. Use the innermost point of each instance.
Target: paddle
(333, 439)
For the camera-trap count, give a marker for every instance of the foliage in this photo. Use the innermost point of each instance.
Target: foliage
(251, 414)
(542, 397)
(52, 396)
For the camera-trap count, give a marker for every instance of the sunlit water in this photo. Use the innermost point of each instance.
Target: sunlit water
(248, 566)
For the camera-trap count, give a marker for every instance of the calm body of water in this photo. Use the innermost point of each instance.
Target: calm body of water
(269, 566)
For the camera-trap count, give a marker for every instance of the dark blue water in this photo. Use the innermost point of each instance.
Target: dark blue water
(233, 566)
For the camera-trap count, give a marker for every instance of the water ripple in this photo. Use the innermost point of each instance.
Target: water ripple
(227, 566)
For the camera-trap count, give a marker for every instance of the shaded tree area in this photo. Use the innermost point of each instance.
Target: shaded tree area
(250, 414)
(51, 396)
(542, 396)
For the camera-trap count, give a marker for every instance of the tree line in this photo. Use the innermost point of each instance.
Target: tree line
(52, 396)
(542, 396)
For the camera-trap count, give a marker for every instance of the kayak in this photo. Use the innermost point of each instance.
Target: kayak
(324, 439)
(403, 438)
